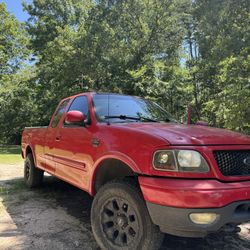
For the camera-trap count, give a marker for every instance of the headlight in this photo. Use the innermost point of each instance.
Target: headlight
(180, 160)
(188, 158)
(164, 160)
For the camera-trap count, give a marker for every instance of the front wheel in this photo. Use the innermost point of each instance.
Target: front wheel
(120, 219)
(33, 176)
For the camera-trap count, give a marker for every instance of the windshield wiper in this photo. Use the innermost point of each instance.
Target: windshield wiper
(125, 117)
(147, 119)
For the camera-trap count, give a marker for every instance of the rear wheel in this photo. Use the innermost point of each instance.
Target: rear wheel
(33, 176)
(120, 219)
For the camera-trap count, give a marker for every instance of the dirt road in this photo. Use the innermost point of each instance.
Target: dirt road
(57, 216)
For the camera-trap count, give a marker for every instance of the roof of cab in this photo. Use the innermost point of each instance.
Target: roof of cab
(94, 93)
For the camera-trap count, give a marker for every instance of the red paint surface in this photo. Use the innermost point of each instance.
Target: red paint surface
(68, 153)
(193, 193)
(74, 116)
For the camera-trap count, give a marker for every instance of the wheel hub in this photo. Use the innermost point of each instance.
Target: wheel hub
(122, 221)
(119, 222)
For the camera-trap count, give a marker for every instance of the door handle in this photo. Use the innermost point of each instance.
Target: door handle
(95, 142)
(58, 138)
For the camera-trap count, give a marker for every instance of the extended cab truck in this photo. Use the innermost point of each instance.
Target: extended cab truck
(148, 173)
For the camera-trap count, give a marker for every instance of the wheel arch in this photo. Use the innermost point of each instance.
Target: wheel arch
(112, 167)
(29, 150)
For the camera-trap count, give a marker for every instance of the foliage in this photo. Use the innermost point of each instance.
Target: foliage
(17, 95)
(12, 42)
(107, 41)
(234, 99)
(175, 52)
(14, 91)
(219, 36)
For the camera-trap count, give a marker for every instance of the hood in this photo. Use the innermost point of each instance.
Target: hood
(178, 134)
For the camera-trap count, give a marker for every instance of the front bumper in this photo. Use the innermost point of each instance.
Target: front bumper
(171, 201)
(176, 221)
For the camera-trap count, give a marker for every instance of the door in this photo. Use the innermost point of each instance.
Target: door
(50, 137)
(72, 148)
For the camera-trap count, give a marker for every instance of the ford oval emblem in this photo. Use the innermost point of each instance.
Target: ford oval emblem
(246, 161)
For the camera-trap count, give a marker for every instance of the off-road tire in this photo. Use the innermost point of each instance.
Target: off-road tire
(119, 209)
(33, 176)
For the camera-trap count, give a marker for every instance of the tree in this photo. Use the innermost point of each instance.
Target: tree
(14, 91)
(105, 43)
(219, 48)
(17, 103)
(175, 52)
(13, 41)
(233, 101)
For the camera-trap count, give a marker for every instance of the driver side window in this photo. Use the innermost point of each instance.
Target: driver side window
(80, 103)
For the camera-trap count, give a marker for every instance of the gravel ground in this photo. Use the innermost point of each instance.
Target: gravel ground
(57, 216)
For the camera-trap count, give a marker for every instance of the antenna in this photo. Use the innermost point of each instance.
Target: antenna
(108, 123)
(81, 81)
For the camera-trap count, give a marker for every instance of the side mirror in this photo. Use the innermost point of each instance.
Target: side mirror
(74, 117)
(202, 123)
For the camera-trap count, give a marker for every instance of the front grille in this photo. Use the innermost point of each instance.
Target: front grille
(233, 162)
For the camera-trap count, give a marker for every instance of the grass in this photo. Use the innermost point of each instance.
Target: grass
(10, 155)
(12, 187)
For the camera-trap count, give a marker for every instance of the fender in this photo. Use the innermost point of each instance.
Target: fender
(111, 155)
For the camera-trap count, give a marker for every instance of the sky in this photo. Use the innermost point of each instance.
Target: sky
(16, 8)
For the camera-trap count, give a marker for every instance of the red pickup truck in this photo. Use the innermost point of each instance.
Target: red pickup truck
(148, 173)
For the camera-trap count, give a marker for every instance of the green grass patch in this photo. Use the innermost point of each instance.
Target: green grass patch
(12, 187)
(10, 155)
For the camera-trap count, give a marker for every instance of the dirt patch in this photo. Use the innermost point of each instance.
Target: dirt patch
(10, 172)
(57, 216)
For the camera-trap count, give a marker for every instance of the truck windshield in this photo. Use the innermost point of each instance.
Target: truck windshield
(121, 108)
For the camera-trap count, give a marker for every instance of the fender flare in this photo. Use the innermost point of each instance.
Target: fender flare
(112, 155)
(32, 152)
